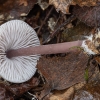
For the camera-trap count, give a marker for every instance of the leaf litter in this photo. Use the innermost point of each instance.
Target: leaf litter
(58, 76)
(63, 72)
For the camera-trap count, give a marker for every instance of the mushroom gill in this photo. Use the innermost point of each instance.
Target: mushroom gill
(17, 34)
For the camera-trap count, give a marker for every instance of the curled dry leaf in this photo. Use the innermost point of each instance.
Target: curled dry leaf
(51, 24)
(63, 72)
(66, 94)
(19, 89)
(2, 93)
(62, 95)
(10, 9)
(97, 59)
(43, 4)
(23, 2)
(89, 92)
(9, 92)
(88, 15)
(5, 93)
(63, 5)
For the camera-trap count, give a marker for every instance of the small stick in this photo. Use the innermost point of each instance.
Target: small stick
(38, 32)
(66, 22)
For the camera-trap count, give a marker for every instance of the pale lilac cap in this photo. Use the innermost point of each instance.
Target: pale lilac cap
(17, 34)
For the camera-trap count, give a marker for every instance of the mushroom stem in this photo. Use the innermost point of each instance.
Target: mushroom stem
(44, 49)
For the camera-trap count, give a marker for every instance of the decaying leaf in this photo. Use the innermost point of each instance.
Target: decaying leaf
(51, 24)
(19, 89)
(5, 94)
(43, 4)
(62, 95)
(13, 91)
(63, 72)
(76, 33)
(63, 5)
(89, 92)
(88, 15)
(2, 93)
(66, 94)
(97, 59)
(10, 9)
(23, 2)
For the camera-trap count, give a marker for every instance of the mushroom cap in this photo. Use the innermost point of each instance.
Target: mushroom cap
(17, 34)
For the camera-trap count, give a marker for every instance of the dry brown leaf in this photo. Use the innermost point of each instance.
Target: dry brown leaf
(19, 89)
(88, 15)
(63, 72)
(10, 9)
(2, 93)
(5, 94)
(66, 94)
(23, 2)
(11, 91)
(63, 5)
(89, 92)
(62, 95)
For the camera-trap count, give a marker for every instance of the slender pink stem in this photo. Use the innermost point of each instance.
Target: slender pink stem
(44, 49)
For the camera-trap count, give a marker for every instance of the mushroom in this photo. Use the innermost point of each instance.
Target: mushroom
(17, 34)
(20, 49)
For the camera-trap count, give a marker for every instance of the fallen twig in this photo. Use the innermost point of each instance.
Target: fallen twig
(53, 34)
(38, 32)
